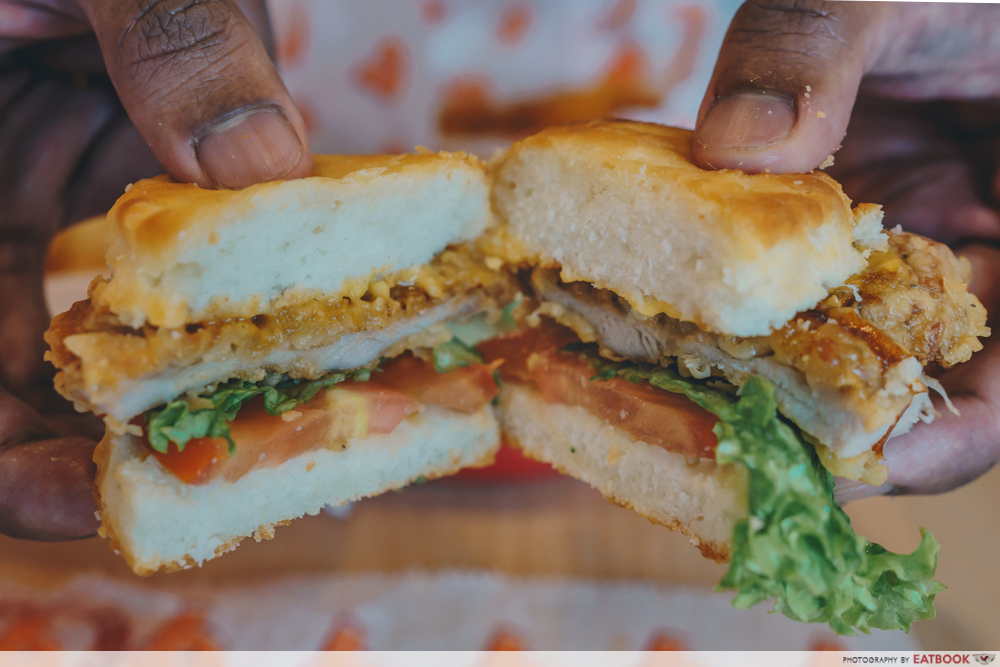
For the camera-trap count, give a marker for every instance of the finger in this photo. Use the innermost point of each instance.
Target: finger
(23, 317)
(847, 490)
(903, 158)
(938, 50)
(949, 453)
(79, 57)
(22, 20)
(46, 483)
(985, 283)
(938, 457)
(65, 152)
(954, 449)
(784, 84)
(256, 13)
(197, 83)
(117, 157)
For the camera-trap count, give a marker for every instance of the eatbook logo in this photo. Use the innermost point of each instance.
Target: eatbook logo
(985, 658)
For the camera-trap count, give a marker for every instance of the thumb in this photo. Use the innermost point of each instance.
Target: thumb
(46, 481)
(952, 450)
(197, 83)
(784, 84)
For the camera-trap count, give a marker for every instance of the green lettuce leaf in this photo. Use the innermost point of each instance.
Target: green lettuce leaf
(454, 354)
(179, 423)
(797, 545)
(466, 335)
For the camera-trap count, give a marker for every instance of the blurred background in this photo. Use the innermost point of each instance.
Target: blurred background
(509, 557)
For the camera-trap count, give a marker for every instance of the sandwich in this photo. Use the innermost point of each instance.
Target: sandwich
(707, 348)
(261, 353)
(711, 348)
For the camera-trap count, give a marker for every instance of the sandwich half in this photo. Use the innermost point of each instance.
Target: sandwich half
(708, 347)
(258, 354)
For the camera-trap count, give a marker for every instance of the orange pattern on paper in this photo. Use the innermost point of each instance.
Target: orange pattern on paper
(384, 72)
(662, 641)
(504, 640)
(433, 11)
(30, 628)
(308, 111)
(30, 632)
(618, 16)
(694, 22)
(347, 636)
(470, 106)
(628, 66)
(514, 23)
(186, 631)
(293, 43)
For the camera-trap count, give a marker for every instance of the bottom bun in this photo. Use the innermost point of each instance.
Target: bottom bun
(158, 522)
(700, 498)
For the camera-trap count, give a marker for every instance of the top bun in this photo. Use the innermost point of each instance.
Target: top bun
(620, 205)
(181, 254)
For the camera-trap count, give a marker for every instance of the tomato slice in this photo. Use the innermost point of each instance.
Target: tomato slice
(332, 418)
(193, 464)
(465, 389)
(515, 349)
(657, 417)
(383, 408)
(188, 631)
(262, 440)
(29, 633)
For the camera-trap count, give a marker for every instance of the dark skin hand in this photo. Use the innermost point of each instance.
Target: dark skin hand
(95, 94)
(916, 89)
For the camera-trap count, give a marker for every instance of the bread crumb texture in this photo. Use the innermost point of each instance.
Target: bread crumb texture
(621, 205)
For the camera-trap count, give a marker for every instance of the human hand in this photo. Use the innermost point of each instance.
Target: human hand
(916, 89)
(95, 94)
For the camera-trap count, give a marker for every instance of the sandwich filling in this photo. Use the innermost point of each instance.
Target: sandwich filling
(796, 545)
(541, 358)
(238, 427)
(118, 371)
(849, 371)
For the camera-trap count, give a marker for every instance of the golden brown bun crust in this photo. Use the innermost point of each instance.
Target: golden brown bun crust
(79, 247)
(181, 254)
(770, 207)
(620, 205)
(153, 211)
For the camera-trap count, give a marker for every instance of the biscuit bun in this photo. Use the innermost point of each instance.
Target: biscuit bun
(180, 254)
(620, 205)
(160, 523)
(698, 498)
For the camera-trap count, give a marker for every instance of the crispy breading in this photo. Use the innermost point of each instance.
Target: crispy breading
(845, 371)
(916, 294)
(910, 301)
(95, 353)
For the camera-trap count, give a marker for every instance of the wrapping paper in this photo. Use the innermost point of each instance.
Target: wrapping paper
(415, 611)
(384, 75)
